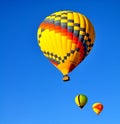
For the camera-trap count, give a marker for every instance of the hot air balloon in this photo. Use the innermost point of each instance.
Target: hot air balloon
(97, 108)
(66, 38)
(81, 100)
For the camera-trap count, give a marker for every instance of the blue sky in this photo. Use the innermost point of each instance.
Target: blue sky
(32, 90)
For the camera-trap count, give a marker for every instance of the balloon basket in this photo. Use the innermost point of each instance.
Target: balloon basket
(66, 78)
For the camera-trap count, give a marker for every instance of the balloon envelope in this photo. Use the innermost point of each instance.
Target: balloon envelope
(81, 100)
(97, 108)
(66, 38)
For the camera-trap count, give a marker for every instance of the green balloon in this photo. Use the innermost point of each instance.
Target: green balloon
(81, 100)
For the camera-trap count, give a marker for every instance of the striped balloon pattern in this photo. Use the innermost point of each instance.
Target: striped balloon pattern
(66, 38)
(81, 100)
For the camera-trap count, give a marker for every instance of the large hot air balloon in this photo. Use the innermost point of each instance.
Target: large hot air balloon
(81, 100)
(97, 108)
(66, 38)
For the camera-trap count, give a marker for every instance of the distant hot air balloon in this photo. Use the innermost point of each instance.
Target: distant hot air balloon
(97, 108)
(66, 38)
(81, 100)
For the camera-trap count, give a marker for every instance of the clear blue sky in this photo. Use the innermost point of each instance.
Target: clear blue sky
(32, 90)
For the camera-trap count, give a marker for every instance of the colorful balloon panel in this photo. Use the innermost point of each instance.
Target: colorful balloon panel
(81, 100)
(97, 108)
(66, 38)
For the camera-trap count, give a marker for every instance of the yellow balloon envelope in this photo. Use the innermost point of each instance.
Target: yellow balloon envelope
(97, 108)
(81, 100)
(66, 38)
